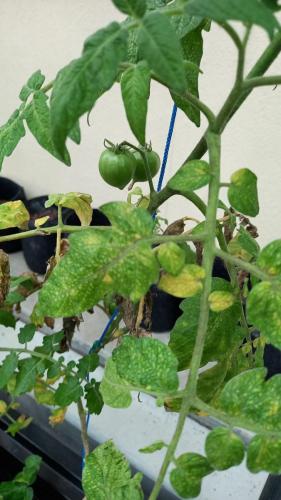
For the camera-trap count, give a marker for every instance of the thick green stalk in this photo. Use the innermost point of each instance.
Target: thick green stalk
(208, 260)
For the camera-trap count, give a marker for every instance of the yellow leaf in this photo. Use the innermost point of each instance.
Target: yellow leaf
(41, 221)
(221, 300)
(185, 284)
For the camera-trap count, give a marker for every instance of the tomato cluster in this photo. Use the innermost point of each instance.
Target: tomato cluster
(118, 165)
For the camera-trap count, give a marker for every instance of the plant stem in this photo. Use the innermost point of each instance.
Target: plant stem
(27, 351)
(83, 422)
(238, 95)
(251, 268)
(159, 198)
(59, 231)
(261, 81)
(208, 260)
(45, 232)
(233, 421)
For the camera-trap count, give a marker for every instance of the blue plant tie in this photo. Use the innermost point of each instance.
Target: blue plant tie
(98, 343)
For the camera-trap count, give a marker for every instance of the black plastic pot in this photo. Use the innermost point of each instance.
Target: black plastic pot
(38, 249)
(166, 308)
(10, 191)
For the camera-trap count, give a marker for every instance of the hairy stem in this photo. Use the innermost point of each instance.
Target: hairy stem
(59, 231)
(208, 260)
(261, 81)
(247, 266)
(83, 422)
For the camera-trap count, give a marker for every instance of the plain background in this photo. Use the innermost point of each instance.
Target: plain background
(48, 34)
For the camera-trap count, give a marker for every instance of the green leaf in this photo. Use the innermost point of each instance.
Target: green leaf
(107, 475)
(29, 472)
(12, 491)
(75, 133)
(269, 259)
(13, 214)
(21, 423)
(8, 368)
(244, 246)
(26, 333)
(185, 24)
(84, 80)
(37, 117)
(51, 343)
(171, 257)
(103, 261)
(158, 445)
(42, 395)
(264, 310)
(87, 364)
(253, 399)
(264, 454)
(272, 4)
(242, 192)
(159, 46)
(224, 449)
(219, 340)
(251, 11)
(191, 176)
(114, 390)
(94, 398)
(79, 202)
(68, 392)
(29, 368)
(7, 319)
(186, 284)
(186, 477)
(10, 135)
(135, 87)
(192, 45)
(134, 8)
(34, 83)
(221, 300)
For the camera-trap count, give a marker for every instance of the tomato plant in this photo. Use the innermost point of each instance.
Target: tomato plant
(160, 41)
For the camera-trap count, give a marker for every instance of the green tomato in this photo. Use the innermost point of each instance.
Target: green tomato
(117, 167)
(153, 163)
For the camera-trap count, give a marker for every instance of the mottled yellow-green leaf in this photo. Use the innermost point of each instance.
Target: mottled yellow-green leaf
(187, 476)
(114, 390)
(13, 214)
(264, 454)
(107, 475)
(191, 176)
(158, 445)
(244, 246)
(252, 398)
(220, 300)
(147, 363)
(171, 257)
(264, 310)
(79, 202)
(270, 258)
(224, 448)
(41, 221)
(242, 193)
(186, 284)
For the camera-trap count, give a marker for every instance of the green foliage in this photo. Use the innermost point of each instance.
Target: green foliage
(224, 449)
(7, 368)
(34, 83)
(37, 117)
(244, 246)
(79, 202)
(68, 391)
(187, 476)
(135, 86)
(219, 340)
(191, 176)
(101, 261)
(94, 398)
(10, 135)
(26, 333)
(146, 363)
(115, 391)
(87, 364)
(134, 8)
(242, 193)
(269, 259)
(18, 488)
(7, 319)
(159, 46)
(29, 369)
(158, 445)
(13, 214)
(252, 11)
(107, 475)
(171, 257)
(84, 80)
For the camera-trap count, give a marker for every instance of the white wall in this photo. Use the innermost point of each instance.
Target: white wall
(48, 34)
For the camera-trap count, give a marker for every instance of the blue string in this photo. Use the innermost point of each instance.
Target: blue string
(98, 343)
